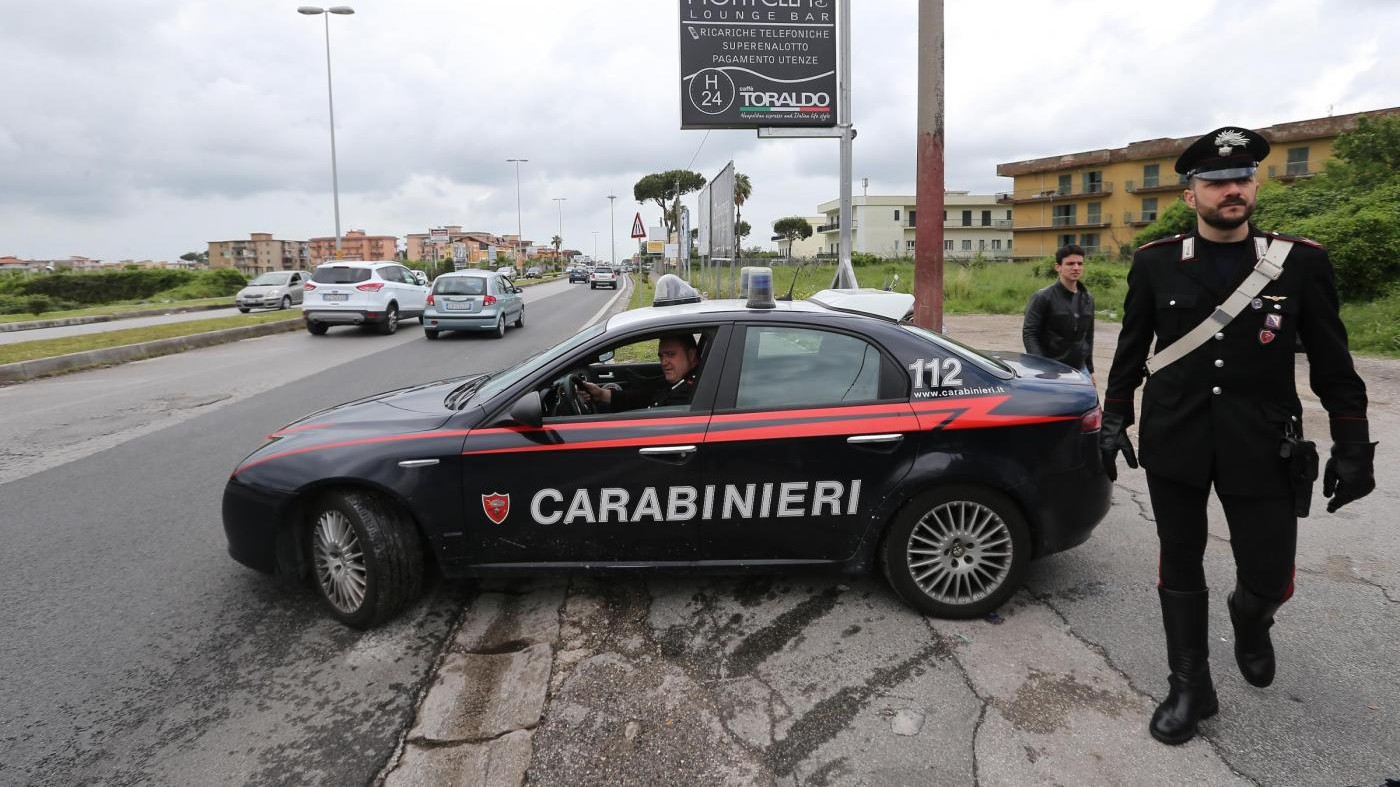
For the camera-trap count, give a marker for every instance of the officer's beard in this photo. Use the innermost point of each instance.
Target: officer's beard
(1214, 219)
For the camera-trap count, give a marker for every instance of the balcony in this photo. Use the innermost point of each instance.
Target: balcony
(957, 224)
(1152, 186)
(1294, 169)
(1056, 194)
(832, 227)
(1139, 219)
(1068, 222)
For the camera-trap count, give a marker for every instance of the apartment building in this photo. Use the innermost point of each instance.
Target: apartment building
(973, 224)
(465, 248)
(1100, 199)
(261, 253)
(354, 245)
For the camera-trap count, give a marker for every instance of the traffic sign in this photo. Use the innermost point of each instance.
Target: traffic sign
(638, 229)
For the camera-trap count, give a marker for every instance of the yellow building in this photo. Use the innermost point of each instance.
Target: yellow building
(261, 253)
(1100, 199)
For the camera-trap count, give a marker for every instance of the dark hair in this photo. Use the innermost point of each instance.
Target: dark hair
(1067, 250)
(686, 340)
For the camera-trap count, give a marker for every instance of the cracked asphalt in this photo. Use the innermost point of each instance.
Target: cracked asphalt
(820, 679)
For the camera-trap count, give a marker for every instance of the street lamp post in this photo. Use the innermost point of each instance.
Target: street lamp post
(311, 10)
(595, 245)
(560, 249)
(519, 233)
(612, 227)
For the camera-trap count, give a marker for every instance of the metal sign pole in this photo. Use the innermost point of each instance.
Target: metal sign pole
(845, 273)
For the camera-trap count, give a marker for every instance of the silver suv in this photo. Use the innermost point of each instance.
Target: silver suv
(375, 292)
(603, 276)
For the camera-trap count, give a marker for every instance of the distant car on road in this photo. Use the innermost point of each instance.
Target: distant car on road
(507, 271)
(533, 272)
(374, 292)
(603, 276)
(473, 301)
(420, 276)
(277, 289)
(578, 273)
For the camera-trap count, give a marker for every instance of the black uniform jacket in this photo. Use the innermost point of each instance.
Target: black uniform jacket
(1053, 328)
(664, 395)
(1220, 412)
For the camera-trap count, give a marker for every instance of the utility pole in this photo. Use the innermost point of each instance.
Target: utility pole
(928, 231)
(519, 233)
(612, 227)
(845, 273)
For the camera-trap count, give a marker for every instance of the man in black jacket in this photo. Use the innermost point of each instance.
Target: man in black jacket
(1221, 414)
(1059, 320)
(679, 357)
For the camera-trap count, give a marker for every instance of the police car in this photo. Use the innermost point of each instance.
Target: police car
(821, 433)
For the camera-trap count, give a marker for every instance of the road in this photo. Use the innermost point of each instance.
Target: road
(134, 650)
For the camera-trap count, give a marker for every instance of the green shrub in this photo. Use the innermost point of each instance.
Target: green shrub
(106, 286)
(38, 304)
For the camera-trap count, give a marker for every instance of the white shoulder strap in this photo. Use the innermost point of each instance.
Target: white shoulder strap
(1269, 268)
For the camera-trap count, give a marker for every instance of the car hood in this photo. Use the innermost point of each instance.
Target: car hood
(261, 289)
(425, 399)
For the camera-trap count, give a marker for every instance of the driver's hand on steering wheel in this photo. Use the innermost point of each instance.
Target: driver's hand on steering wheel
(591, 391)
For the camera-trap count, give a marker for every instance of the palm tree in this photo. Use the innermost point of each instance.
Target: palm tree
(557, 242)
(742, 191)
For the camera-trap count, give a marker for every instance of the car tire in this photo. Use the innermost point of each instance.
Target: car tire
(957, 551)
(430, 333)
(286, 303)
(391, 321)
(520, 321)
(244, 310)
(500, 331)
(316, 328)
(366, 557)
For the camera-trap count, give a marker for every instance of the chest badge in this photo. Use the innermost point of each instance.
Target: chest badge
(1256, 304)
(1266, 335)
(1273, 321)
(1277, 298)
(496, 506)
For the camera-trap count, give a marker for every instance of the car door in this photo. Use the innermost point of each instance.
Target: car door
(598, 488)
(811, 430)
(295, 287)
(414, 296)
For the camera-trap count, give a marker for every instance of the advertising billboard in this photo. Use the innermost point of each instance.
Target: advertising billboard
(756, 65)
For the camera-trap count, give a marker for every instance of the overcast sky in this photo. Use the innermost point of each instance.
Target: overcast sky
(146, 128)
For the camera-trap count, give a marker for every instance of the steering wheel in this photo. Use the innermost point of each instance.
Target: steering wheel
(572, 393)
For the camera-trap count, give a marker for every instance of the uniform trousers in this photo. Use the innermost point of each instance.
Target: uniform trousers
(1263, 537)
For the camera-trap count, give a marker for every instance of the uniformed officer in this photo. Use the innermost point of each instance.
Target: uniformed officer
(1220, 414)
(679, 357)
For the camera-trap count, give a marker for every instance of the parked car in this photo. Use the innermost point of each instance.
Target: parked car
(507, 271)
(901, 451)
(578, 273)
(473, 301)
(277, 289)
(603, 276)
(533, 272)
(375, 292)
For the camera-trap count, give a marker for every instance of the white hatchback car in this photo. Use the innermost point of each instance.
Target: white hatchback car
(602, 276)
(373, 292)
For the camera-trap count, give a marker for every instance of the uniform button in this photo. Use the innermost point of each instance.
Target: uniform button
(1219, 363)
(1215, 390)
(1171, 303)
(1278, 306)
(1219, 337)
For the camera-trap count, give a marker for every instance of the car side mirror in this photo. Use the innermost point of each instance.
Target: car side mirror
(517, 290)
(528, 410)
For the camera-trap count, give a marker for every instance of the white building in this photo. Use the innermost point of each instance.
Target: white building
(884, 226)
(803, 248)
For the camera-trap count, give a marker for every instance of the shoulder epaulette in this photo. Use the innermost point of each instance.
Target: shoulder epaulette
(1162, 241)
(1294, 239)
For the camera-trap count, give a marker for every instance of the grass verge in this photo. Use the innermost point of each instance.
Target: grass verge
(115, 308)
(48, 348)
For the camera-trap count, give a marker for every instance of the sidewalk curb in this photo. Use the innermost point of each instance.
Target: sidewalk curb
(6, 327)
(24, 371)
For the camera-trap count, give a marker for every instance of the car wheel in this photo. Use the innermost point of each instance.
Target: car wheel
(366, 557)
(316, 328)
(500, 331)
(957, 551)
(391, 321)
(520, 321)
(430, 333)
(286, 302)
(244, 310)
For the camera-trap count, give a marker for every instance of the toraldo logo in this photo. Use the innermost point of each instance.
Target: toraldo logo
(791, 101)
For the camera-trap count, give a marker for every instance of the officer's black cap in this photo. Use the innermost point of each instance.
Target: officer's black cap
(1227, 153)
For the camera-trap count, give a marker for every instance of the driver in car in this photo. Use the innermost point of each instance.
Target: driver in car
(679, 357)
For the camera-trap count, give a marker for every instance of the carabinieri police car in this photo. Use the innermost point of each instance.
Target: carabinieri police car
(825, 432)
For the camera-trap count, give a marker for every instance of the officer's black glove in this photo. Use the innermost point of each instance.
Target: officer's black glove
(1350, 473)
(1113, 439)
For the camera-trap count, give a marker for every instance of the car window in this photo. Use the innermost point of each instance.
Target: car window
(391, 274)
(340, 274)
(460, 285)
(504, 379)
(785, 367)
(269, 280)
(406, 276)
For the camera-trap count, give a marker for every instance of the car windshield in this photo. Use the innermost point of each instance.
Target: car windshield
(270, 280)
(987, 362)
(460, 285)
(602, 269)
(508, 377)
(340, 274)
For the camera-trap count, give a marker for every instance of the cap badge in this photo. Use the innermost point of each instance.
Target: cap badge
(1226, 141)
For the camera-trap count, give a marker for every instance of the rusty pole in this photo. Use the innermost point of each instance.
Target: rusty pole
(928, 230)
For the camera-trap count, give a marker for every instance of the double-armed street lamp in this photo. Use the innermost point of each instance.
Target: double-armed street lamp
(519, 233)
(612, 227)
(311, 10)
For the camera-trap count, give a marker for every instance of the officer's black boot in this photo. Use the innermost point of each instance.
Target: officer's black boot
(1252, 616)
(1192, 695)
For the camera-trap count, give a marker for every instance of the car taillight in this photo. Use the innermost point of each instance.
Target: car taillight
(1091, 421)
(370, 286)
(430, 299)
(309, 287)
(489, 300)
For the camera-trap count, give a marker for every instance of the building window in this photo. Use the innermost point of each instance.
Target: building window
(1008, 244)
(1066, 240)
(1093, 213)
(967, 245)
(909, 245)
(1008, 215)
(1297, 162)
(967, 218)
(945, 217)
(996, 244)
(914, 216)
(1065, 185)
(947, 245)
(986, 218)
(1093, 182)
(896, 214)
(981, 244)
(1090, 241)
(1063, 216)
(1150, 174)
(1149, 209)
